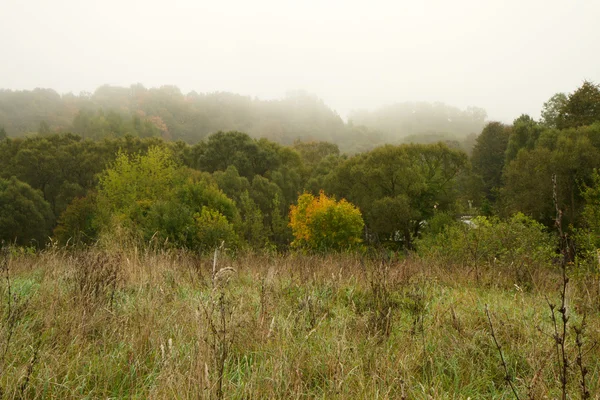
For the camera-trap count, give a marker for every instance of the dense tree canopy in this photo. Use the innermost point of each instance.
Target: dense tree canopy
(398, 187)
(25, 217)
(123, 177)
(524, 135)
(552, 109)
(152, 196)
(581, 108)
(168, 113)
(489, 155)
(571, 154)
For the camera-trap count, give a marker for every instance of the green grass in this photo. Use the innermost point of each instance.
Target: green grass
(138, 325)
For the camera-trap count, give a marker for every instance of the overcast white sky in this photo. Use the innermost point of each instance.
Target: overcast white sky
(506, 56)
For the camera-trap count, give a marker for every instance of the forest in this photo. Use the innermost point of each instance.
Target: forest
(139, 172)
(308, 251)
(167, 113)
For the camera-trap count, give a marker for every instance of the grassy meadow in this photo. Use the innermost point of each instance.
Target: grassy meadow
(160, 325)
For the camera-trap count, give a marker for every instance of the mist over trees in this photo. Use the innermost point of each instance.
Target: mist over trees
(128, 169)
(421, 122)
(168, 113)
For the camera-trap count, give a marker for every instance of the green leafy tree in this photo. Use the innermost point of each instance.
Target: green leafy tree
(155, 199)
(76, 224)
(3, 134)
(552, 109)
(62, 167)
(323, 175)
(417, 179)
(253, 230)
(213, 228)
(313, 152)
(572, 155)
(525, 133)
(591, 212)
(587, 237)
(489, 155)
(224, 149)
(263, 191)
(231, 183)
(134, 180)
(581, 108)
(281, 234)
(25, 216)
(262, 198)
(528, 185)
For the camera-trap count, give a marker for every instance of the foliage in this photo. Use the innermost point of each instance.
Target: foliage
(591, 212)
(489, 155)
(313, 152)
(154, 199)
(191, 117)
(225, 149)
(417, 118)
(524, 135)
(398, 187)
(64, 167)
(552, 109)
(252, 182)
(322, 223)
(572, 155)
(581, 108)
(76, 224)
(213, 228)
(253, 230)
(587, 238)
(25, 216)
(439, 223)
(518, 242)
(134, 180)
(100, 125)
(260, 206)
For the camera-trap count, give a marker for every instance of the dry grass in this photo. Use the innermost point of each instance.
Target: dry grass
(134, 324)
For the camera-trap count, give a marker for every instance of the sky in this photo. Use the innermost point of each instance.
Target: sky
(506, 56)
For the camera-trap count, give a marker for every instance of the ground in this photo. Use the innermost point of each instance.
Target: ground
(155, 324)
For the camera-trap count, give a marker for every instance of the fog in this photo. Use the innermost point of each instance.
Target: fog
(507, 57)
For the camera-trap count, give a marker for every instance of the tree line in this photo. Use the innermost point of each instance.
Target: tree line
(78, 189)
(168, 113)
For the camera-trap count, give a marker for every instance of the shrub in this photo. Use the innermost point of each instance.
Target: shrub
(322, 223)
(149, 198)
(517, 241)
(76, 223)
(213, 228)
(587, 238)
(24, 214)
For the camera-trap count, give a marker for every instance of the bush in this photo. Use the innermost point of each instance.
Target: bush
(213, 228)
(76, 224)
(24, 214)
(149, 198)
(587, 238)
(321, 223)
(518, 241)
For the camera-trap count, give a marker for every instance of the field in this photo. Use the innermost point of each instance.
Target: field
(161, 325)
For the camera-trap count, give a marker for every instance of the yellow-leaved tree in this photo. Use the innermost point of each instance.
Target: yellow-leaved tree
(322, 223)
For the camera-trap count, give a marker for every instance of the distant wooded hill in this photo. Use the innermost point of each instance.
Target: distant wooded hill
(167, 112)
